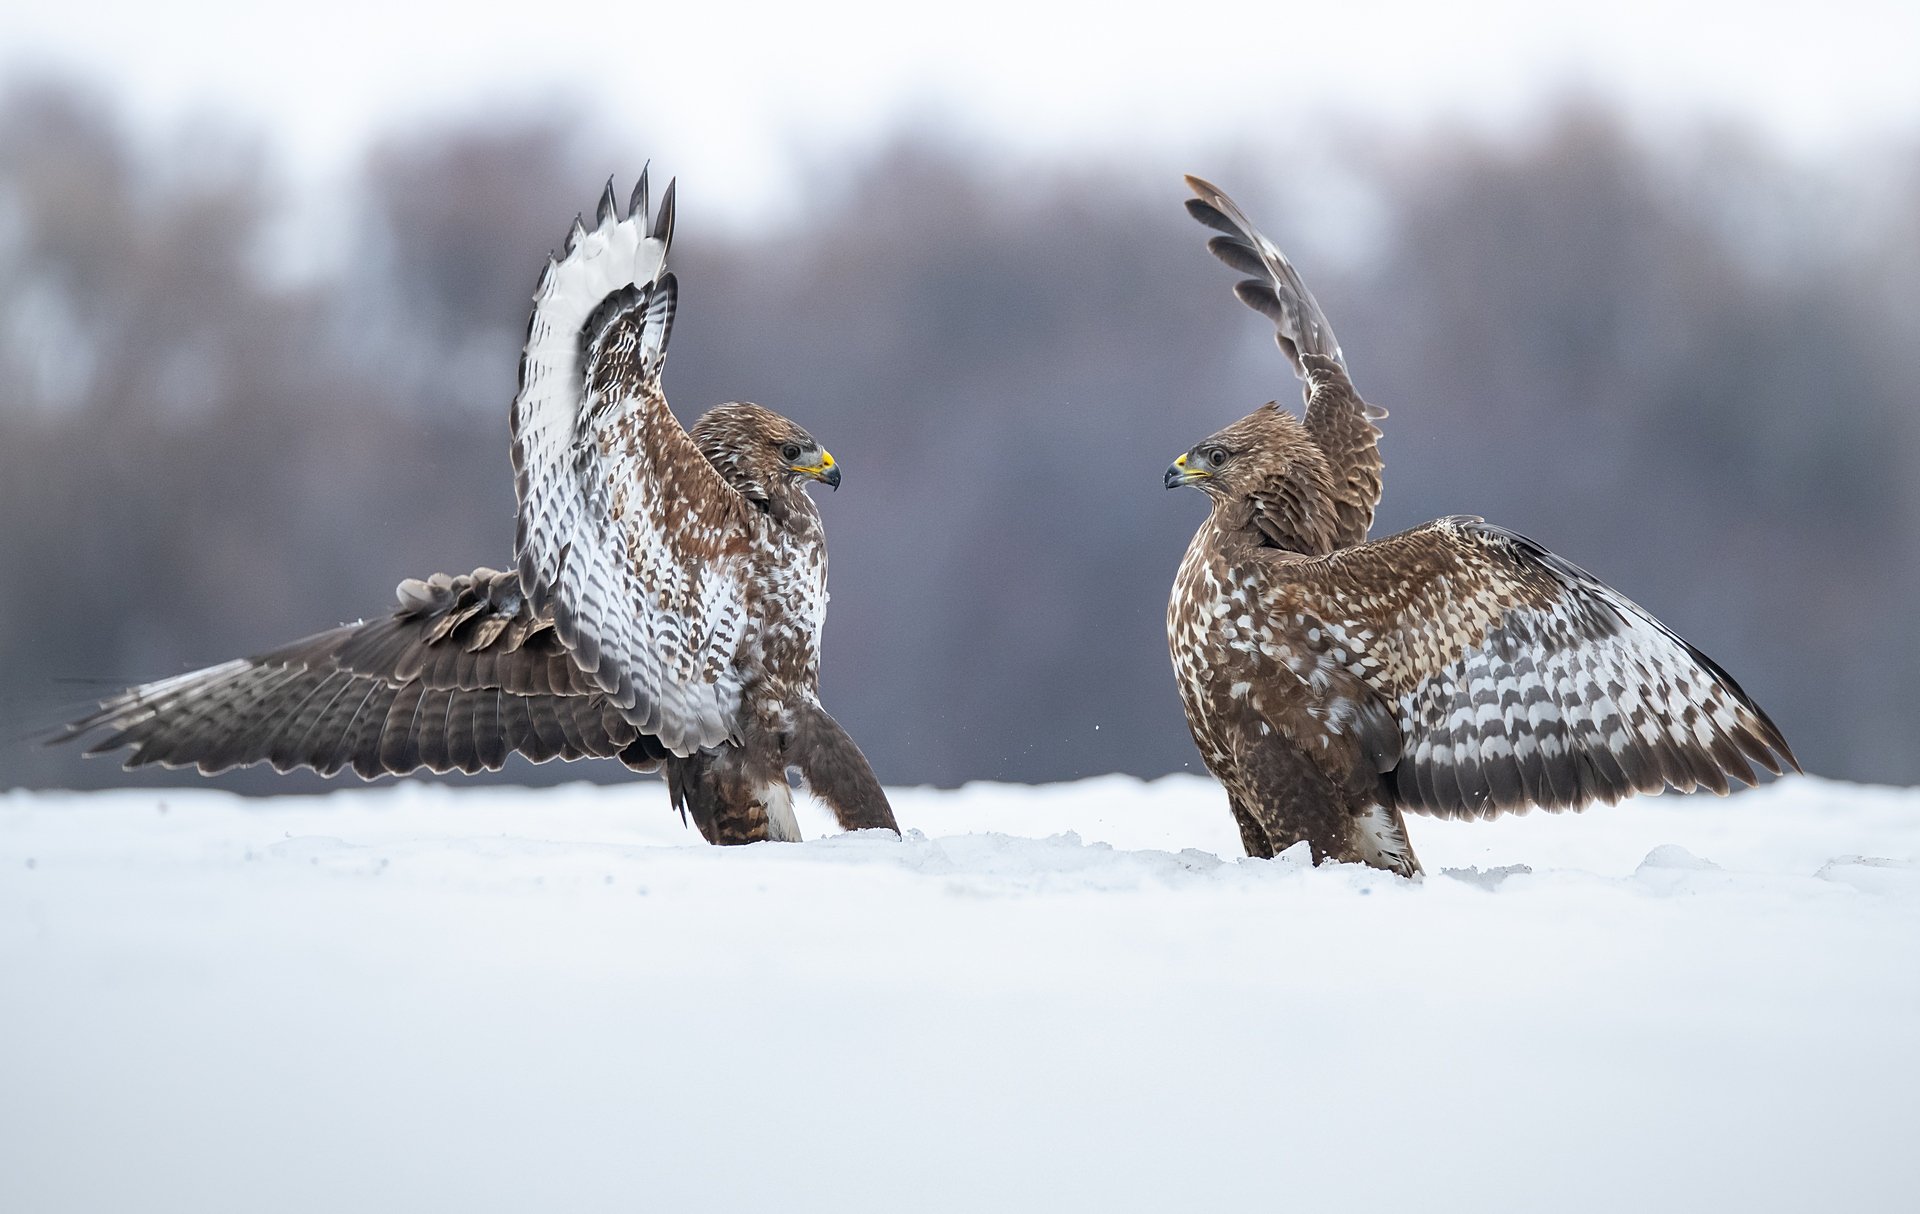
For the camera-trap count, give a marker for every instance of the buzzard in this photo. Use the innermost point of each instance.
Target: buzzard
(665, 607)
(1458, 669)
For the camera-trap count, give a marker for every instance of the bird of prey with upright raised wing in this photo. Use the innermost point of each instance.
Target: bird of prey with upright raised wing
(1458, 669)
(665, 609)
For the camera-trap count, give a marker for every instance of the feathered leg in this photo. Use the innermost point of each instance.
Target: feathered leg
(728, 804)
(1289, 797)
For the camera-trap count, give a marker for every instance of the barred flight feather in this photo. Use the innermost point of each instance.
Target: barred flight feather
(414, 689)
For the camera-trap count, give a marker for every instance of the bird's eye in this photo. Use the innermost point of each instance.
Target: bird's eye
(790, 452)
(1216, 456)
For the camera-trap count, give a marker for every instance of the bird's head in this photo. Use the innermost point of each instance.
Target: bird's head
(762, 454)
(1266, 477)
(1252, 455)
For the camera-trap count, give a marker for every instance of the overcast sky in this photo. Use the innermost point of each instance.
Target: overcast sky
(738, 94)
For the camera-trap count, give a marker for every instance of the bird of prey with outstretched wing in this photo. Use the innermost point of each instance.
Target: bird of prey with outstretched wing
(1457, 669)
(665, 609)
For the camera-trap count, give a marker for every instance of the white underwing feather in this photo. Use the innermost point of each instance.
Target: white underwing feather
(623, 525)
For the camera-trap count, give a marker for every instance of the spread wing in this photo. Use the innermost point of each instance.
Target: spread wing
(626, 533)
(1515, 677)
(459, 675)
(1337, 420)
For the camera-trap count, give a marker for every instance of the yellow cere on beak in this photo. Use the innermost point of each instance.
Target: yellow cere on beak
(1180, 474)
(824, 471)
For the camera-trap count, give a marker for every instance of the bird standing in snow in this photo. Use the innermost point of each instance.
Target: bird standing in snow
(1457, 669)
(666, 606)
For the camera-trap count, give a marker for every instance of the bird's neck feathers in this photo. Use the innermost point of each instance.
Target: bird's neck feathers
(1290, 509)
(1234, 516)
(729, 461)
(769, 490)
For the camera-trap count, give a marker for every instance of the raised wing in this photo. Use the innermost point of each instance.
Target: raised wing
(458, 676)
(625, 532)
(1517, 678)
(1338, 421)
(1274, 288)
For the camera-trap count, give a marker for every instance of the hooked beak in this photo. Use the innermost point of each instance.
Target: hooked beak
(1178, 473)
(826, 471)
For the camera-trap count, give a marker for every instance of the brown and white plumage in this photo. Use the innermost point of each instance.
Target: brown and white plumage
(666, 608)
(1457, 669)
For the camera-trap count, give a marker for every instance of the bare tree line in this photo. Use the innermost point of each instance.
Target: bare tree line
(1687, 366)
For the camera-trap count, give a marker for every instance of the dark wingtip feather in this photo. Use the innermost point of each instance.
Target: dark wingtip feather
(609, 205)
(1210, 215)
(1259, 295)
(663, 225)
(1238, 254)
(1772, 737)
(111, 742)
(1769, 737)
(637, 203)
(60, 735)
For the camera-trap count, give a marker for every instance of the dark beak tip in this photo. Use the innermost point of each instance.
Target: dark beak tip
(833, 478)
(1173, 478)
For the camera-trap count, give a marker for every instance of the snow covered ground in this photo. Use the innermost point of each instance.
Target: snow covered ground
(423, 998)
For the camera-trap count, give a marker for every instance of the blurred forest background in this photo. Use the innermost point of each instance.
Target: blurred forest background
(230, 416)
